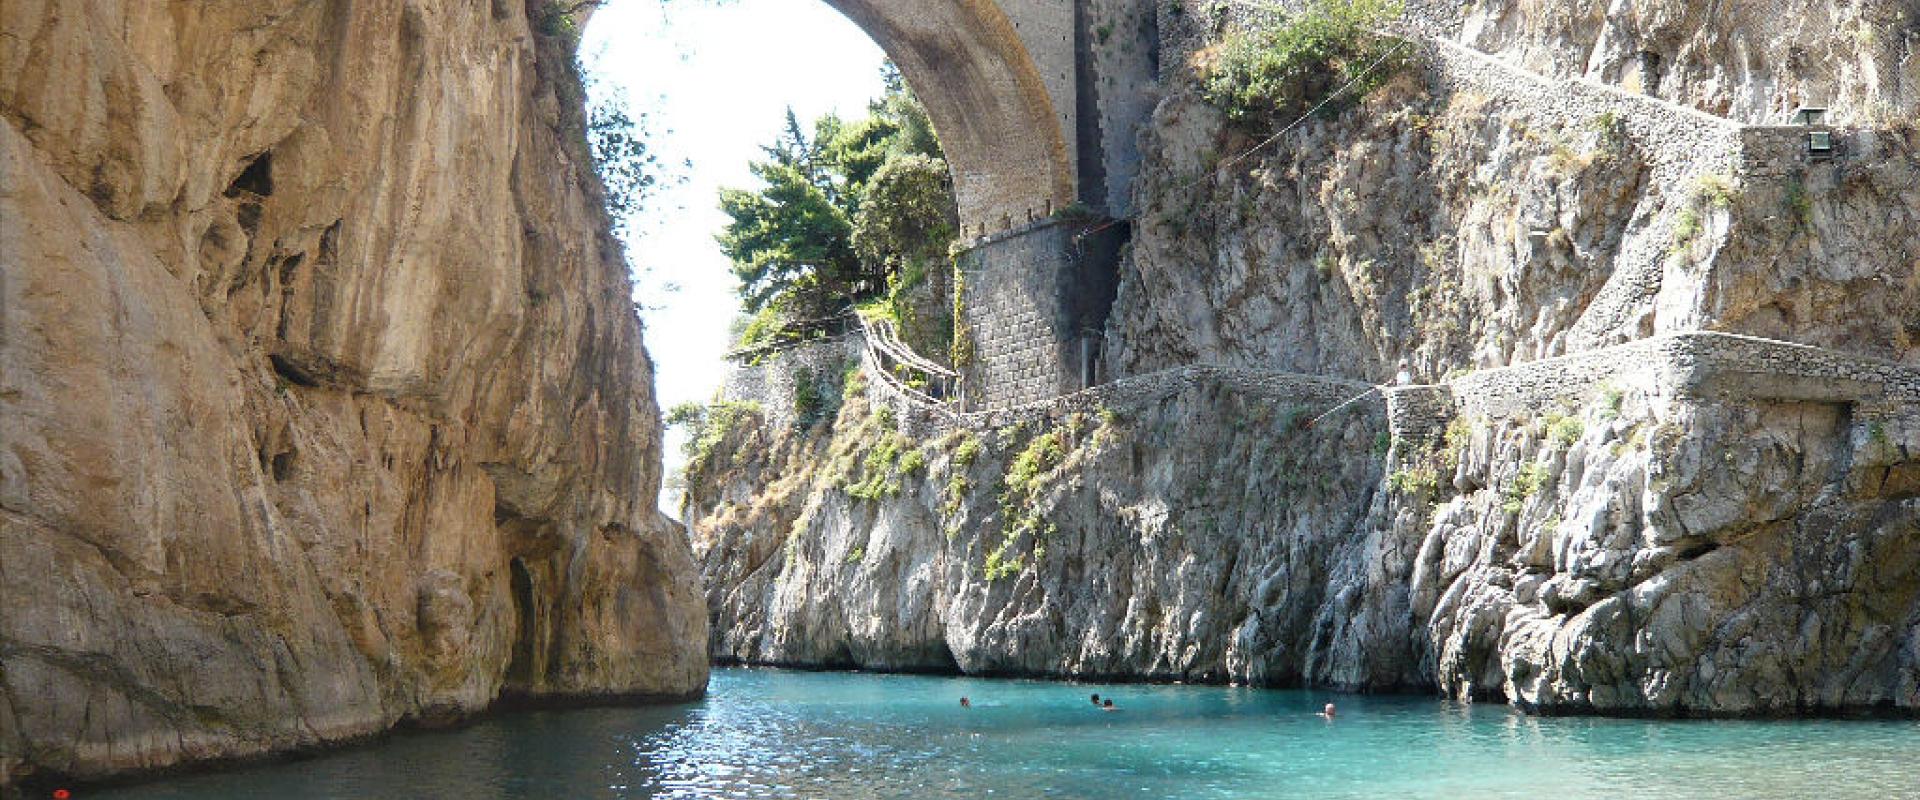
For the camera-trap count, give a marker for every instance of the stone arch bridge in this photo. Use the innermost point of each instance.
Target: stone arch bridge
(1037, 103)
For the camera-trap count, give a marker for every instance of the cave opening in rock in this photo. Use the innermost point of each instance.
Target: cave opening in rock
(520, 670)
(256, 179)
(1650, 72)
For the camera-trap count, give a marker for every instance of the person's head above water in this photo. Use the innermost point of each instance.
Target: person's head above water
(1329, 712)
(1107, 704)
(1096, 698)
(964, 703)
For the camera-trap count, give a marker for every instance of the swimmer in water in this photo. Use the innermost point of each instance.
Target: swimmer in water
(1328, 712)
(1107, 705)
(1096, 698)
(964, 703)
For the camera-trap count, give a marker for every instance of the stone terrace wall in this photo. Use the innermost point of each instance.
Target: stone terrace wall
(1706, 365)
(1418, 413)
(772, 381)
(1730, 366)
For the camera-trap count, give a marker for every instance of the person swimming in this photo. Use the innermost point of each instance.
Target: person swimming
(1107, 705)
(1096, 698)
(964, 703)
(1328, 712)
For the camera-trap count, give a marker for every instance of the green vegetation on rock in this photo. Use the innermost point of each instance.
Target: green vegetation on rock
(707, 425)
(1272, 73)
(1564, 429)
(1526, 483)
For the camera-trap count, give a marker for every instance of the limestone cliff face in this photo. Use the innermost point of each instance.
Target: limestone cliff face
(1644, 552)
(322, 402)
(1474, 213)
(1146, 542)
(1608, 495)
(1753, 62)
(1633, 543)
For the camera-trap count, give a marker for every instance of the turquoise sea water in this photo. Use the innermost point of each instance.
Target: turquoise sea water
(778, 734)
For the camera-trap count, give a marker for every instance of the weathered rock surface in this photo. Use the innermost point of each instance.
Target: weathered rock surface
(1754, 62)
(1635, 546)
(1678, 557)
(1740, 539)
(1158, 543)
(322, 403)
(1468, 215)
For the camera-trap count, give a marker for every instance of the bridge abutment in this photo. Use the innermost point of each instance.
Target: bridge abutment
(1032, 310)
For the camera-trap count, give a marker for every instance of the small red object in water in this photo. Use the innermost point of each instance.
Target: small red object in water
(61, 794)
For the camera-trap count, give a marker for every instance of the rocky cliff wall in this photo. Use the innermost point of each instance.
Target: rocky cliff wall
(1693, 525)
(1473, 214)
(323, 405)
(1755, 62)
(1602, 501)
(1135, 541)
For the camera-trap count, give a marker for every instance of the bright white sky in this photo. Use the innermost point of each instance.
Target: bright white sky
(716, 78)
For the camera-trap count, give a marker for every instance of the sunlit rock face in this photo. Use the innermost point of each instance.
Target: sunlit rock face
(1619, 499)
(323, 405)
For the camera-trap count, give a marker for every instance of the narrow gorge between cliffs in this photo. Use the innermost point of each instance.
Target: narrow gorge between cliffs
(751, 398)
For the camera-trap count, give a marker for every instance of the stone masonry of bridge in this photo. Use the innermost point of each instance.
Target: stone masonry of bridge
(1014, 89)
(1032, 302)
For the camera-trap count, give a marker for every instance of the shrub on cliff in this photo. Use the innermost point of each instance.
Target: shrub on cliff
(707, 425)
(1273, 73)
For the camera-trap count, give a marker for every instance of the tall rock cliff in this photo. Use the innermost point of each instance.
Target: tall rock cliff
(323, 404)
(1555, 371)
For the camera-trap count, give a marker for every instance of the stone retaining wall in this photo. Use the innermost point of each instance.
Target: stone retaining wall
(1705, 365)
(1418, 412)
(773, 379)
(1714, 366)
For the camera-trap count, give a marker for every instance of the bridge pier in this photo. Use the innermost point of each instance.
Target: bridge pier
(1033, 305)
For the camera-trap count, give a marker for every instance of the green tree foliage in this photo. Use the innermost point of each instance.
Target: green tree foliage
(794, 234)
(839, 210)
(707, 425)
(1263, 75)
(908, 213)
(618, 143)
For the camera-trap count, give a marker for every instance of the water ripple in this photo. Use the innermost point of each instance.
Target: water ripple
(773, 734)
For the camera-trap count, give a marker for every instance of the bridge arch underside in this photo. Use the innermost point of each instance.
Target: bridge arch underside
(1006, 141)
